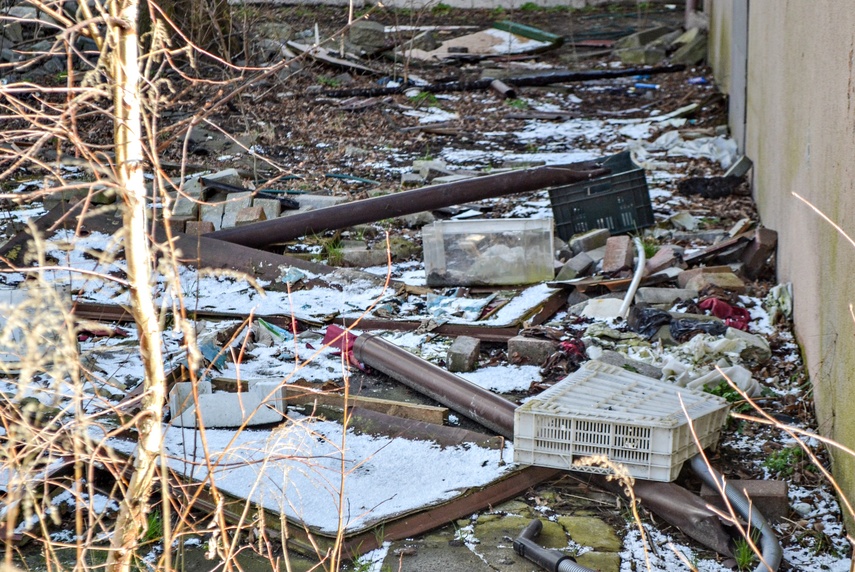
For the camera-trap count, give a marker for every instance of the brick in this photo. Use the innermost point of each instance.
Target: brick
(532, 350)
(177, 223)
(272, 207)
(687, 275)
(666, 257)
(197, 227)
(618, 255)
(667, 296)
(590, 240)
(235, 203)
(725, 280)
(769, 496)
(249, 215)
(463, 354)
(759, 251)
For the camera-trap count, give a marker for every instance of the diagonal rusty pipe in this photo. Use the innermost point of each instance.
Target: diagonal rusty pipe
(464, 397)
(429, 198)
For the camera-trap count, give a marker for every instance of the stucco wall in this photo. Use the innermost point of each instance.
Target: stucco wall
(720, 14)
(801, 137)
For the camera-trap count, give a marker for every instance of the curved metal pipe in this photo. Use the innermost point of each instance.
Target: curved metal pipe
(464, 397)
(770, 548)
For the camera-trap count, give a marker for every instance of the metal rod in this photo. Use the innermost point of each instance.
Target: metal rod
(268, 232)
(464, 397)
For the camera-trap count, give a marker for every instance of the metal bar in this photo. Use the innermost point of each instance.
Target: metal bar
(468, 399)
(429, 198)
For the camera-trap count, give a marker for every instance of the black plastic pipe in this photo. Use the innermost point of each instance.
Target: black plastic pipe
(456, 393)
(551, 560)
(268, 232)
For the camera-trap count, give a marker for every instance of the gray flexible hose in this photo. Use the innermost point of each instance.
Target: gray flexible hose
(770, 548)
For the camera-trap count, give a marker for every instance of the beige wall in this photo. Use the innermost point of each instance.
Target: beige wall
(720, 13)
(801, 137)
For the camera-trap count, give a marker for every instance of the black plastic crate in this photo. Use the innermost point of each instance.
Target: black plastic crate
(619, 202)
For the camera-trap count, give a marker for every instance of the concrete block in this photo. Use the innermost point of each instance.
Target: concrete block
(249, 215)
(532, 350)
(362, 257)
(663, 296)
(590, 240)
(213, 213)
(687, 275)
(197, 227)
(236, 203)
(619, 254)
(759, 251)
(368, 34)
(647, 55)
(725, 280)
(641, 38)
(181, 395)
(666, 257)
(691, 53)
(272, 208)
(769, 496)
(463, 354)
(579, 265)
(597, 254)
(412, 180)
(429, 170)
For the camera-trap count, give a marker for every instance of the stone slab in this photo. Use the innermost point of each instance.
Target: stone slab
(532, 350)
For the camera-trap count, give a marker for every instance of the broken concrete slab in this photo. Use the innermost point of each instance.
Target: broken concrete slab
(463, 354)
(687, 275)
(213, 213)
(591, 532)
(591, 240)
(221, 409)
(647, 55)
(368, 34)
(532, 350)
(724, 280)
(642, 38)
(618, 359)
(576, 266)
(691, 53)
(663, 296)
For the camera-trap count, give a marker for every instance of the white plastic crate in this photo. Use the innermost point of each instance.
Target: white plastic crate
(634, 420)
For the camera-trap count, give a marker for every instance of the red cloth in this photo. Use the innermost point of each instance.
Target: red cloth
(343, 341)
(733, 316)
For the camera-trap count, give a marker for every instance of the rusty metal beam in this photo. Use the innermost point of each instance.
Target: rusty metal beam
(282, 229)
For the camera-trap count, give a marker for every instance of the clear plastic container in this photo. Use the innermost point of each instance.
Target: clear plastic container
(494, 252)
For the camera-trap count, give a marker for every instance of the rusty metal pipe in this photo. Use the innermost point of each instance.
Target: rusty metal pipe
(456, 393)
(268, 232)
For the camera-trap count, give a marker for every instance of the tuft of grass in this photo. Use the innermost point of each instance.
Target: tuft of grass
(329, 81)
(517, 103)
(743, 554)
(424, 98)
(441, 9)
(530, 7)
(154, 527)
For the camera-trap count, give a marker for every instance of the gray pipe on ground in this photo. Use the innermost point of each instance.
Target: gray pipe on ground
(282, 229)
(464, 397)
(770, 548)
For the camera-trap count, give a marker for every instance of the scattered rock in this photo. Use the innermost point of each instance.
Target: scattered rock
(591, 240)
(531, 350)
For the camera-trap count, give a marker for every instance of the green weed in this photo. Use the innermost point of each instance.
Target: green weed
(529, 7)
(424, 98)
(329, 81)
(743, 554)
(517, 103)
(441, 9)
(783, 462)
